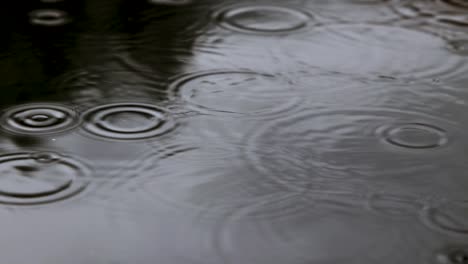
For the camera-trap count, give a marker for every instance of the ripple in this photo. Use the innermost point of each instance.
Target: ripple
(453, 255)
(262, 19)
(49, 17)
(375, 50)
(128, 121)
(416, 136)
(459, 47)
(308, 237)
(451, 14)
(345, 144)
(211, 182)
(356, 11)
(455, 3)
(88, 87)
(39, 177)
(38, 119)
(237, 93)
(170, 2)
(394, 205)
(448, 217)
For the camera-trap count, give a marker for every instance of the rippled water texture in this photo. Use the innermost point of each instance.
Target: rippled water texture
(237, 132)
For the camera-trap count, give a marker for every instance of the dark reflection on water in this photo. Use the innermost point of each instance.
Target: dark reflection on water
(200, 131)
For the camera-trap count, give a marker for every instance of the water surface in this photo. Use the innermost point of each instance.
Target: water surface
(201, 131)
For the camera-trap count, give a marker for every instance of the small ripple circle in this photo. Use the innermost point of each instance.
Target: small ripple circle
(38, 119)
(414, 136)
(48, 17)
(128, 121)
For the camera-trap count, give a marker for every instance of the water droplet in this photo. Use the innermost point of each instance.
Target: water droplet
(38, 119)
(415, 136)
(237, 93)
(35, 178)
(48, 17)
(45, 157)
(449, 217)
(263, 19)
(128, 121)
(453, 255)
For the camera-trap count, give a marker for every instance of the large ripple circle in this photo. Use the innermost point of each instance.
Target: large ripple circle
(128, 121)
(40, 177)
(262, 19)
(234, 93)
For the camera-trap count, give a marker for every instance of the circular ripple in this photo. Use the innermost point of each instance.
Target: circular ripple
(453, 255)
(451, 14)
(262, 19)
(48, 17)
(242, 93)
(449, 217)
(375, 50)
(43, 177)
(314, 146)
(38, 119)
(416, 136)
(128, 121)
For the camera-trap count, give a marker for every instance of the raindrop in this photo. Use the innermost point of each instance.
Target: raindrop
(414, 136)
(36, 178)
(263, 19)
(449, 217)
(128, 121)
(45, 157)
(235, 93)
(48, 17)
(38, 119)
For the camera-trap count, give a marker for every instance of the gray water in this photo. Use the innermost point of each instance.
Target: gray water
(250, 132)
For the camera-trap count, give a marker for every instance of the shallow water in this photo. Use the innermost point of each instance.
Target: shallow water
(201, 131)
